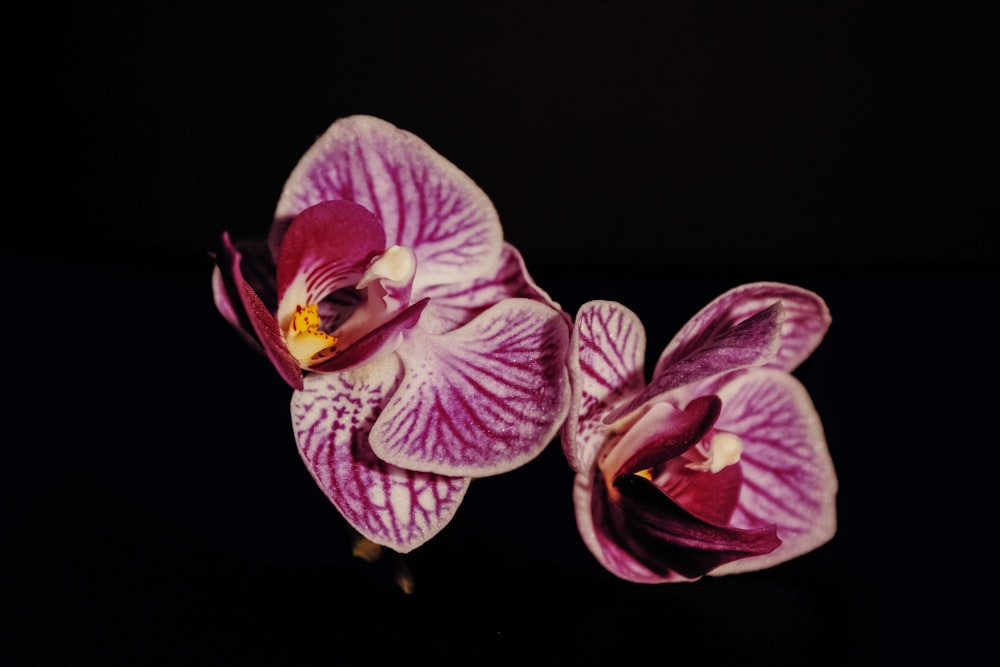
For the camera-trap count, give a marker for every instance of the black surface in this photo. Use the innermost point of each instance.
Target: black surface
(155, 510)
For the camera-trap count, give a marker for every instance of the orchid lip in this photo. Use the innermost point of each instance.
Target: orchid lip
(387, 285)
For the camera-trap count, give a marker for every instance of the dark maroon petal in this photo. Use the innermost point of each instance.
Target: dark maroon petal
(372, 343)
(671, 436)
(252, 315)
(710, 496)
(259, 271)
(664, 537)
(750, 342)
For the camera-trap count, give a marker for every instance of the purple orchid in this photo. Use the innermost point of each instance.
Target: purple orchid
(719, 464)
(421, 353)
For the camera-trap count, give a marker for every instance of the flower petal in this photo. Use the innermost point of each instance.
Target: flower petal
(331, 417)
(454, 304)
(383, 339)
(424, 201)
(666, 539)
(240, 304)
(789, 478)
(328, 246)
(726, 345)
(605, 361)
(481, 400)
(661, 434)
(805, 323)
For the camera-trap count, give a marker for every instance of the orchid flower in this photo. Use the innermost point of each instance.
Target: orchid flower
(719, 464)
(420, 351)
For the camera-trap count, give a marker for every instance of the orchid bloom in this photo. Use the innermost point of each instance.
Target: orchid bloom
(719, 464)
(420, 351)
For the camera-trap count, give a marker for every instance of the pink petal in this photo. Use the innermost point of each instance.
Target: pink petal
(481, 400)
(605, 362)
(726, 346)
(454, 304)
(788, 474)
(424, 201)
(331, 417)
(805, 323)
(327, 247)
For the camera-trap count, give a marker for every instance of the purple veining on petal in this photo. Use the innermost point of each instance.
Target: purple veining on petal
(806, 321)
(789, 478)
(606, 358)
(454, 304)
(481, 400)
(332, 417)
(424, 201)
(736, 344)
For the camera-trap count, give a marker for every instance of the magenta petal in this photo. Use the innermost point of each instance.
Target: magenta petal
(327, 247)
(605, 363)
(481, 400)
(789, 478)
(711, 497)
(424, 201)
(659, 440)
(397, 508)
(241, 306)
(665, 538)
(725, 346)
(806, 320)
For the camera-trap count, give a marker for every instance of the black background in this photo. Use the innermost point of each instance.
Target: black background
(155, 508)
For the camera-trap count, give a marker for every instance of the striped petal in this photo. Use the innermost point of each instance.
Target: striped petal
(454, 304)
(332, 417)
(481, 400)
(605, 362)
(730, 345)
(788, 475)
(804, 323)
(424, 201)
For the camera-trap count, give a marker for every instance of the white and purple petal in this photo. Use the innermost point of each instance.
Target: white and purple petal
(788, 475)
(481, 400)
(332, 416)
(605, 361)
(806, 319)
(454, 304)
(423, 200)
(725, 346)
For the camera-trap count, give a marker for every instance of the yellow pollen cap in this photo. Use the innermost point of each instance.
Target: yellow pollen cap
(304, 338)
